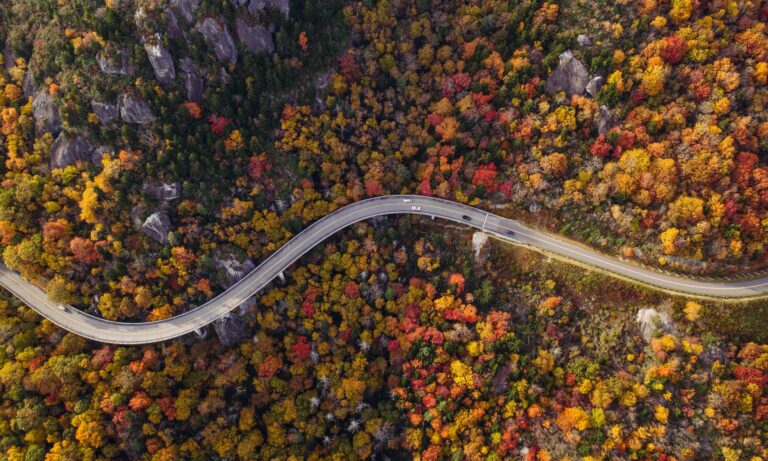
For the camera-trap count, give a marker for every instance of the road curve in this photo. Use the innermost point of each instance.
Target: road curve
(107, 331)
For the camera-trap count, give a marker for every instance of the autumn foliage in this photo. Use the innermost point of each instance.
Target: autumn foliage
(385, 341)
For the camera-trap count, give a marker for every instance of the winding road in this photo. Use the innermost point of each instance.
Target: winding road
(106, 331)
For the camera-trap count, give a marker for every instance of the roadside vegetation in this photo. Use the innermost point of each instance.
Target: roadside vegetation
(640, 134)
(153, 151)
(394, 341)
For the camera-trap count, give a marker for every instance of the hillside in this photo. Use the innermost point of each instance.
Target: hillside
(154, 151)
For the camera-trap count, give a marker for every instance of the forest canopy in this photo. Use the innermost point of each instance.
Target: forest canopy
(154, 151)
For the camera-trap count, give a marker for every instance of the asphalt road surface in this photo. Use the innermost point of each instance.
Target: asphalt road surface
(106, 331)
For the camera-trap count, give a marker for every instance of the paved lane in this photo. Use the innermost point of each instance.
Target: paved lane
(106, 331)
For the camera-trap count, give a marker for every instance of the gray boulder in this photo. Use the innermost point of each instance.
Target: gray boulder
(186, 9)
(594, 85)
(163, 191)
(172, 24)
(283, 6)
(161, 60)
(571, 76)
(231, 330)
(233, 269)
(605, 120)
(28, 85)
(194, 87)
(322, 80)
(140, 19)
(45, 113)
(481, 247)
(193, 83)
(255, 38)
(257, 6)
(649, 320)
(134, 110)
(217, 35)
(223, 76)
(584, 40)
(253, 6)
(67, 151)
(9, 59)
(114, 61)
(157, 226)
(99, 154)
(711, 354)
(187, 66)
(105, 112)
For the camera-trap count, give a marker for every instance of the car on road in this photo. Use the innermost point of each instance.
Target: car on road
(466, 218)
(416, 208)
(407, 200)
(63, 308)
(511, 233)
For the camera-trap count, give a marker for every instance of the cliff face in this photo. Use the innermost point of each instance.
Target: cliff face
(109, 75)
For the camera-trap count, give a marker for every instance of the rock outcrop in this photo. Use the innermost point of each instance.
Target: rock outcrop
(223, 76)
(140, 19)
(45, 113)
(67, 150)
(99, 153)
(283, 6)
(584, 40)
(172, 24)
(28, 85)
(255, 38)
(712, 354)
(571, 76)
(500, 381)
(193, 83)
(163, 191)
(230, 330)
(594, 85)
(106, 112)
(186, 9)
(9, 59)
(256, 6)
(605, 120)
(649, 320)
(217, 36)
(134, 110)
(322, 80)
(481, 246)
(114, 61)
(234, 269)
(157, 226)
(161, 60)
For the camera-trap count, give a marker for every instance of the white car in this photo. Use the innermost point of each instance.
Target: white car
(63, 308)
(416, 208)
(407, 200)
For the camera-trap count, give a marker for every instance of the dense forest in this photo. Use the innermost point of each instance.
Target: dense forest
(145, 155)
(151, 146)
(155, 150)
(387, 346)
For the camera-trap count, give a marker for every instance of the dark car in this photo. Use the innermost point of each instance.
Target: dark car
(466, 218)
(511, 233)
